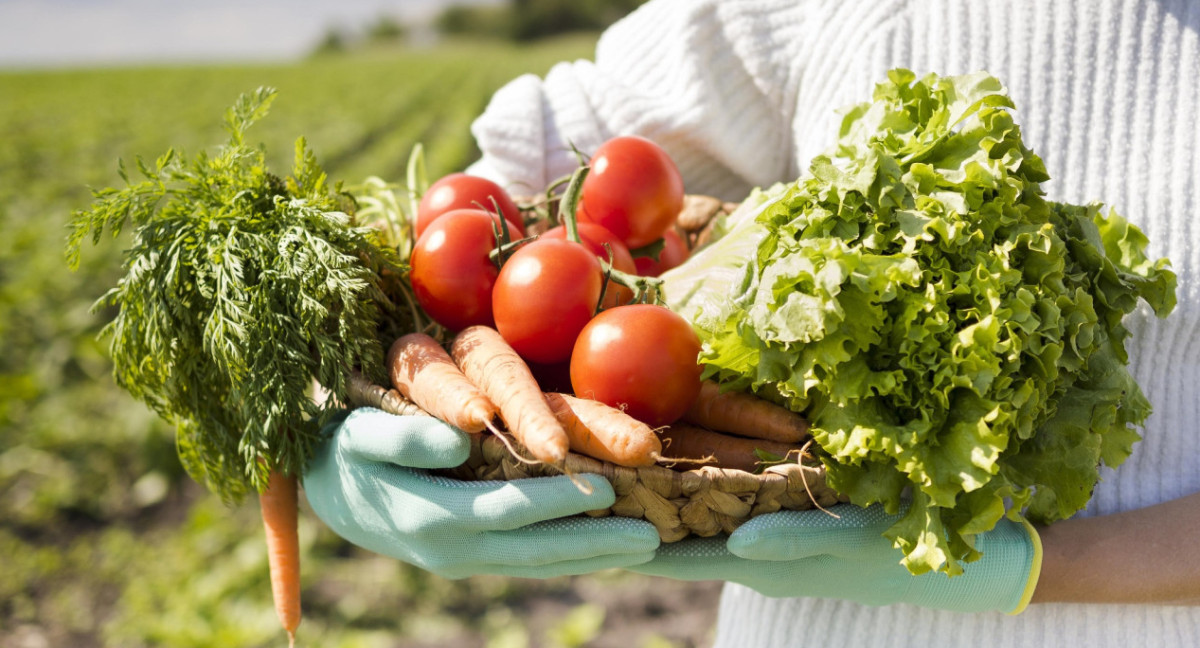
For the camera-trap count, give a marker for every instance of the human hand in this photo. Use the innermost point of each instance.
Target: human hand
(811, 553)
(368, 483)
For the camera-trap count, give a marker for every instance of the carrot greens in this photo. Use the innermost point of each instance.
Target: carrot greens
(241, 288)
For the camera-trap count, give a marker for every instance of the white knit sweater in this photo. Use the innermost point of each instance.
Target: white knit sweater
(743, 94)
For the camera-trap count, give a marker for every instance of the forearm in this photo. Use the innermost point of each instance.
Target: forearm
(1148, 555)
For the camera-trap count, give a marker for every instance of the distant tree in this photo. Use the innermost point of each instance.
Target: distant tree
(492, 21)
(386, 29)
(534, 19)
(525, 20)
(333, 42)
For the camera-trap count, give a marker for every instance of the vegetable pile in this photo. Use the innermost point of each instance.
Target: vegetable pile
(952, 341)
(955, 339)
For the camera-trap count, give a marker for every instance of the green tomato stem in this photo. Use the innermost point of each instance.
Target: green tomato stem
(504, 247)
(646, 290)
(570, 202)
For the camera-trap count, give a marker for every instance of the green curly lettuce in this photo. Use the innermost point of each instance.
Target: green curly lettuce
(955, 339)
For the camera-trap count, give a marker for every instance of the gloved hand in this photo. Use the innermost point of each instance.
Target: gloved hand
(367, 484)
(810, 553)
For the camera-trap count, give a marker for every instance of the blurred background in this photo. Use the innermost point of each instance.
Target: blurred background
(104, 541)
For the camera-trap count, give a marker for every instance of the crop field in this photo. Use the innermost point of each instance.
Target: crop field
(104, 540)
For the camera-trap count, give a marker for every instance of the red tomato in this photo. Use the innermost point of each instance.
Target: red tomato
(451, 274)
(633, 189)
(545, 294)
(674, 252)
(593, 237)
(640, 357)
(462, 191)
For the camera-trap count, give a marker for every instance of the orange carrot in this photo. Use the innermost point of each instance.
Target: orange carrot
(606, 433)
(424, 373)
(492, 365)
(279, 514)
(745, 415)
(727, 451)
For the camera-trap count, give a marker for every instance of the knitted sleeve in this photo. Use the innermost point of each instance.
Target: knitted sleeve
(713, 83)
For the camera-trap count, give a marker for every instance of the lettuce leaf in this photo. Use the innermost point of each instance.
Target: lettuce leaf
(955, 339)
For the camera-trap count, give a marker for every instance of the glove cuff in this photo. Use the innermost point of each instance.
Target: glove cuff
(1035, 569)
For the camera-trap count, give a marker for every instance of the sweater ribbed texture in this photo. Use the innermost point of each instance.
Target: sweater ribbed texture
(1107, 92)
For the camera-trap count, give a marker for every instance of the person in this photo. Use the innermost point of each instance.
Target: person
(742, 94)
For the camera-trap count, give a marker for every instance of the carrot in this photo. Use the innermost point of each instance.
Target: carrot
(693, 442)
(745, 415)
(279, 514)
(604, 432)
(368, 393)
(424, 373)
(492, 365)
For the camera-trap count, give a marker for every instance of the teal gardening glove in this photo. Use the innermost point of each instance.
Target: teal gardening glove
(813, 554)
(368, 483)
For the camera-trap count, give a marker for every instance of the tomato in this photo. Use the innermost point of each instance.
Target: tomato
(633, 189)
(451, 274)
(640, 357)
(674, 252)
(545, 294)
(462, 191)
(594, 237)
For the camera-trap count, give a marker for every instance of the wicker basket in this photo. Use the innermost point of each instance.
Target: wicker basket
(703, 501)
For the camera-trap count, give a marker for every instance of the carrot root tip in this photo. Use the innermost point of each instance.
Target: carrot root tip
(584, 486)
(512, 450)
(671, 461)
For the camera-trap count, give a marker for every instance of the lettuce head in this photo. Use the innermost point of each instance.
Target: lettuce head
(954, 338)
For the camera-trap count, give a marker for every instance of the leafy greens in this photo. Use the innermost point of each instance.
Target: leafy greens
(241, 288)
(955, 339)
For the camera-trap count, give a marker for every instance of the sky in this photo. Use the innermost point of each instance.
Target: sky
(50, 33)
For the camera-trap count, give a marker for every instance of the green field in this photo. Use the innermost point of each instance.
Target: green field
(105, 541)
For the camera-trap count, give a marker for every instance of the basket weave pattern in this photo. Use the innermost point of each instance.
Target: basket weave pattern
(704, 501)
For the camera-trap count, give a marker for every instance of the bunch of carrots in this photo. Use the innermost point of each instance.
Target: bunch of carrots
(482, 384)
